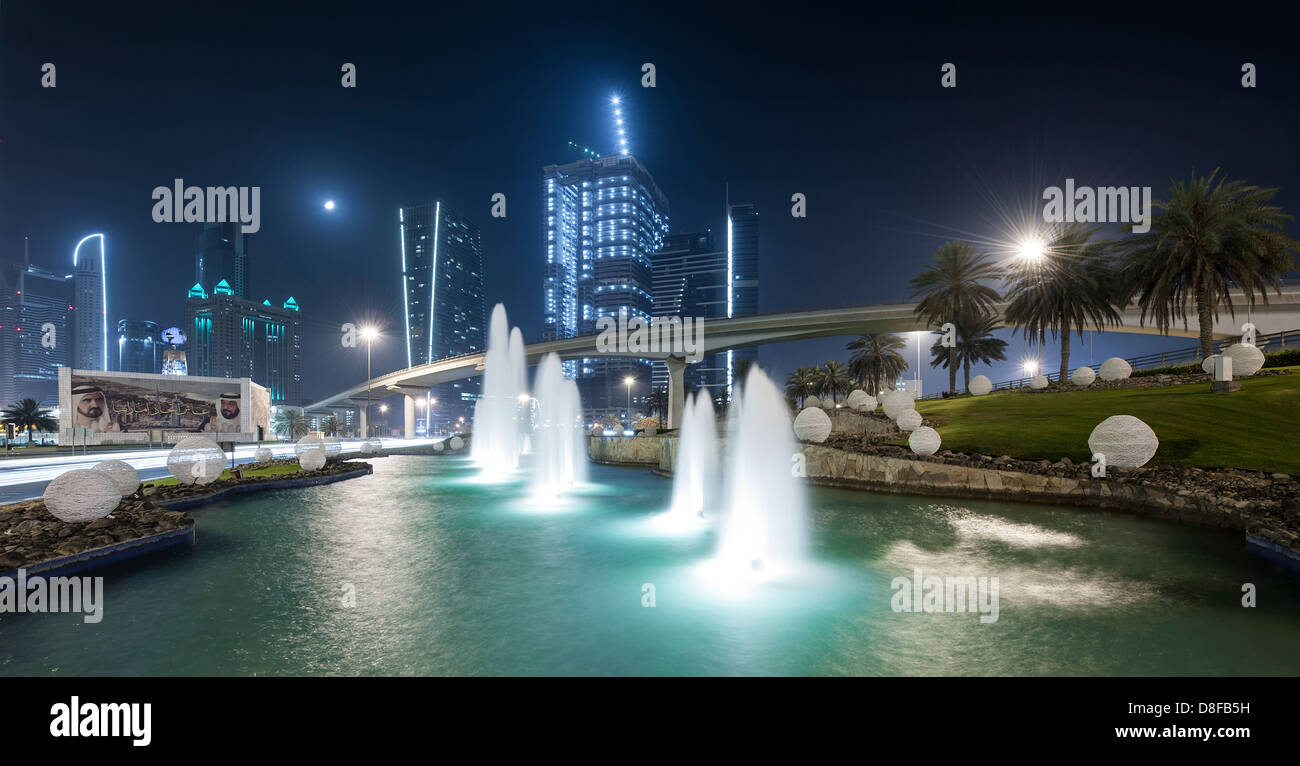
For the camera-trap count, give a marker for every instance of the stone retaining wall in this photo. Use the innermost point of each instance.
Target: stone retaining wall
(827, 466)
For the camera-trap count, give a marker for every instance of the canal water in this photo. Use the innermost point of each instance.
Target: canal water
(420, 569)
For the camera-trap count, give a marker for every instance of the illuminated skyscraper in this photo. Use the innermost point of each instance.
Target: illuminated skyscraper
(139, 346)
(742, 275)
(229, 337)
(605, 217)
(223, 254)
(36, 331)
(442, 294)
(90, 326)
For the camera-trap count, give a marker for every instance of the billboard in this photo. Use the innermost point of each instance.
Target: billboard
(98, 407)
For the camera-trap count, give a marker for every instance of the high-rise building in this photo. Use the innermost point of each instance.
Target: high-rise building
(90, 304)
(230, 337)
(223, 254)
(605, 217)
(442, 294)
(690, 280)
(742, 275)
(139, 346)
(36, 331)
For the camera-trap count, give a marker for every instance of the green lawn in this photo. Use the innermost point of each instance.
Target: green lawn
(270, 470)
(1255, 428)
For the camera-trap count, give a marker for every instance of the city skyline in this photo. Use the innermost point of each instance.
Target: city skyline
(699, 134)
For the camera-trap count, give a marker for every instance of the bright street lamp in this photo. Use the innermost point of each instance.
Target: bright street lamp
(628, 381)
(370, 334)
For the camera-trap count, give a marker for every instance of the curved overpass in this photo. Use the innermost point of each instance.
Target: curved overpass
(1281, 313)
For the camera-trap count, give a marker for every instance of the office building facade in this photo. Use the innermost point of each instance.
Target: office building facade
(36, 331)
(442, 297)
(690, 280)
(230, 337)
(604, 219)
(223, 254)
(140, 347)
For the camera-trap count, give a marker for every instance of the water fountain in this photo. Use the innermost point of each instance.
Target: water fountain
(696, 468)
(765, 533)
(497, 440)
(559, 439)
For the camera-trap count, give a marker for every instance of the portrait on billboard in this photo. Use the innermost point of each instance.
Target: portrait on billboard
(145, 403)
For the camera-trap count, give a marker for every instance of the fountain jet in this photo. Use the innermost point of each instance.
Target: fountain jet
(696, 467)
(558, 438)
(765, 533)
(497, 439)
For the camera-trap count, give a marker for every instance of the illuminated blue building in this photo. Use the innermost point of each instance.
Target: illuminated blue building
(605, 218)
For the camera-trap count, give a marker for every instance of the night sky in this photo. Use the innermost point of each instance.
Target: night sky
(458, 104)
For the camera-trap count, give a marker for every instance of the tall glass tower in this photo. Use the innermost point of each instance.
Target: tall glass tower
(442, 293)
(90, 342)
(605, 217)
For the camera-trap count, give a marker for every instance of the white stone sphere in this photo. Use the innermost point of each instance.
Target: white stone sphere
(1125, 441)
(595, 431)
(924, 441)
(812, 401)
(333, 446)
(456, 443)
(126, 477)
(980, 385)
(1038, 382)
(1084, 376)
(263, 455)
(909, 420)
(898, 403)
(313, 440)
(439, 446)
(1207, 364)
(371, 446)
(856, 399)
(312, 459)
(812, 424)
(1246, 360)
(1115, 369)
(82, 495)
(196, 460)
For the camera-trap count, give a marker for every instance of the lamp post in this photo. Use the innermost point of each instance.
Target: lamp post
(369, 333)
(628, 381)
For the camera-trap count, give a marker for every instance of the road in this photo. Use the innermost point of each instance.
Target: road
(25, 478)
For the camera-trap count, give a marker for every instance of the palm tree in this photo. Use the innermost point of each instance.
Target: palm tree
(290, 424)
(834, 379)
(801, 384)
(1072, 287)
(975, 345)
(1206, 238)
(28, 415)
(953, 286)
(332, 426)
(740, 370)
(657, 402)
(876, 360)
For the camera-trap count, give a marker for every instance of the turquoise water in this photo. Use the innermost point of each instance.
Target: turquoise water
(454, 577)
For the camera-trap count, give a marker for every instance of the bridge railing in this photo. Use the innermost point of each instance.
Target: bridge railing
(1276, 341)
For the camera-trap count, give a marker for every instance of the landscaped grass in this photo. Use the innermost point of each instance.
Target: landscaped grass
(270, 470)
(1256, 428)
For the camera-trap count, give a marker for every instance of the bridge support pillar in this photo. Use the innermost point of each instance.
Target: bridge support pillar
(408, 416)
(365, 430)
(676, 390)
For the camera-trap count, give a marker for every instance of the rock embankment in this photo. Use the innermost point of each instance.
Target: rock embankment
(32, 535)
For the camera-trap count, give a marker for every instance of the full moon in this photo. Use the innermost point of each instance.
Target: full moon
(329, 204)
